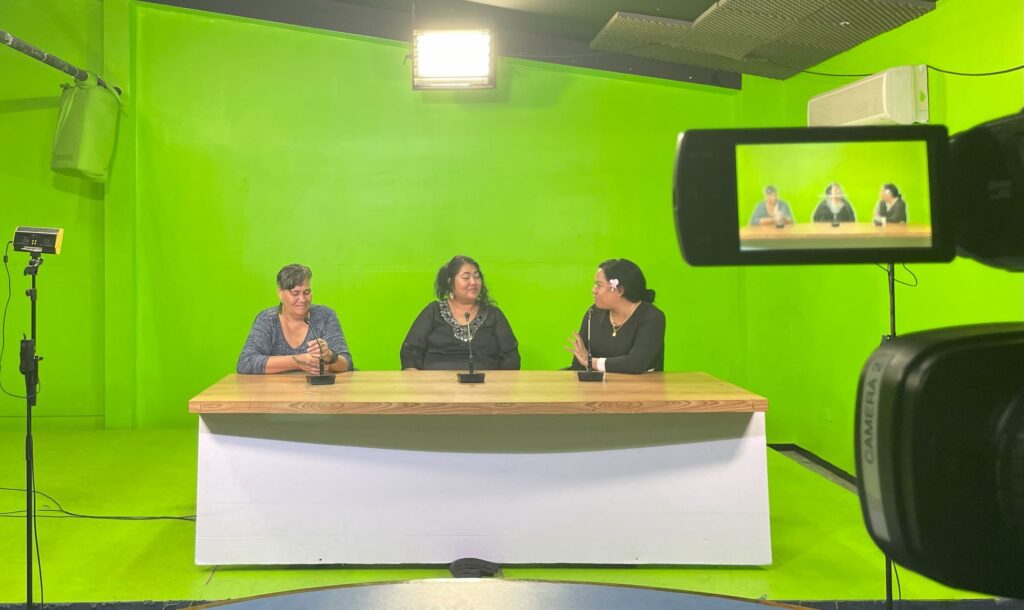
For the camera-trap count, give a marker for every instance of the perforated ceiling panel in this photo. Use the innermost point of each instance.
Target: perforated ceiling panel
(774, 38)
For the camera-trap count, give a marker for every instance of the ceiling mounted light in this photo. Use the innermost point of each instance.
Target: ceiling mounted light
(452, 59)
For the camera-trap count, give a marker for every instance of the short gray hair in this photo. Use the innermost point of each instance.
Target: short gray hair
(291, 276)
(768, 190)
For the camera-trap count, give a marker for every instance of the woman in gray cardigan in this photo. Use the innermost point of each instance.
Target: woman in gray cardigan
(296, 335)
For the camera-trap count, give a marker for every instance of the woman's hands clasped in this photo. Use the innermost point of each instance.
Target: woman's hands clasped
(316, 350)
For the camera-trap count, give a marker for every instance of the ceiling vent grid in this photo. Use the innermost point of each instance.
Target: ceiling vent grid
(769, 38)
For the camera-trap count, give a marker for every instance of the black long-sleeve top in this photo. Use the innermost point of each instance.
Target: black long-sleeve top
(637, 347)
(897, 213)
(823, 213)
(437, 341)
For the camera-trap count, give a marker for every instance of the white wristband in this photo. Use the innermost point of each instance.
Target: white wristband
(599, 364)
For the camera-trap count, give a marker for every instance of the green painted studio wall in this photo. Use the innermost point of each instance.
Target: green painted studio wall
(70, 304)
(802, 174)
(248, 145)
(262, 145)
(809, 330)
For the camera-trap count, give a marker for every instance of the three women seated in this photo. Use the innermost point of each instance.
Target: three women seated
(626, 332)
(835, 208)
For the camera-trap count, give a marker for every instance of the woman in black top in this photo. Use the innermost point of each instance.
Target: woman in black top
(891, 208)
(440, 335)
(834, 207)
(624, 330)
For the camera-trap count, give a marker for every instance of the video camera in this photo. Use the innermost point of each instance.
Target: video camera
(940, 414)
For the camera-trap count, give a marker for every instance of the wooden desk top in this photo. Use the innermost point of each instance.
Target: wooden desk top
(504, 393)
(818, 235)
(844, 230)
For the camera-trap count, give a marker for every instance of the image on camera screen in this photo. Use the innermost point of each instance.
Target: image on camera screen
(833, 195)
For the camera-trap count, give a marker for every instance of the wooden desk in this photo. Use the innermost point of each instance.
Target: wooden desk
(392, 467)
(504, 393)
(817, 235)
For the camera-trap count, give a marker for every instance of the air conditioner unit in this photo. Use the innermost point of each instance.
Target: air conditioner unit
(897, 96)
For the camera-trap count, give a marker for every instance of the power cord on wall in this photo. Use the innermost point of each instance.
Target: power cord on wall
(3, 328)
(930, 67)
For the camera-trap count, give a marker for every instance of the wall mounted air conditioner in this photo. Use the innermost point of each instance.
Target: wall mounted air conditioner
(897, 96)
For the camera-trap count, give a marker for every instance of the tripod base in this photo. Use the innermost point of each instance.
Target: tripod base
(590, 375)
(327, 379)
(471, 377)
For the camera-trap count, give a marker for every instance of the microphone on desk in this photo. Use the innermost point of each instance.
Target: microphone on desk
(590, 374)
(471, 376)
(322, 378)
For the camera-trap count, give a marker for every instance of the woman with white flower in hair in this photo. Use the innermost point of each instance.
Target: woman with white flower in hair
(626, 331)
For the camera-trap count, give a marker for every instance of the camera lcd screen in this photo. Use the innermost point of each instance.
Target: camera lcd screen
(814, 195)
(833, 195)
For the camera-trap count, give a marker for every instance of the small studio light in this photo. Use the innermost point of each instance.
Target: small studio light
(38, 240)
(452, 59)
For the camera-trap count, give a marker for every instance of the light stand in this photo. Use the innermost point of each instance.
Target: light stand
(36, 241)
(29, 367)
(891, 269)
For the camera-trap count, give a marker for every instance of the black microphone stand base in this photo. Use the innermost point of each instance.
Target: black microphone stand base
(471, 377)
(590, 375)
(327, 379)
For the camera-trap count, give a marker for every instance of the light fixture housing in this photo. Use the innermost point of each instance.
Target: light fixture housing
(38, 240)
(453, 58)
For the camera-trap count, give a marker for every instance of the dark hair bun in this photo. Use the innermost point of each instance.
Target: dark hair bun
(631, 279)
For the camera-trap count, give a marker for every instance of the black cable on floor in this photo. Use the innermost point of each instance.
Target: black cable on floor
(69, 514)
(816, 459)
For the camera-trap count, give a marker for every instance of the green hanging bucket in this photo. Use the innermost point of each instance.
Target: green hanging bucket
(86, 130)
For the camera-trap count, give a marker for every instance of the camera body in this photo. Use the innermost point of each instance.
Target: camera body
(987, 164)
(940, 414)
(940, 454)
(963, 195)
(720, 174)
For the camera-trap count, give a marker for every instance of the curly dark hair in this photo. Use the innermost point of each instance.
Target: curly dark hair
(446, 277)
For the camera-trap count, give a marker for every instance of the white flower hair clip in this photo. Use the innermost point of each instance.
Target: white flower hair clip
(614, 283)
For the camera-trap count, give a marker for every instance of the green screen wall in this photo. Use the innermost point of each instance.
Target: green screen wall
(803, 172)
(329, 158)
(70, 286)
(247, 145)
